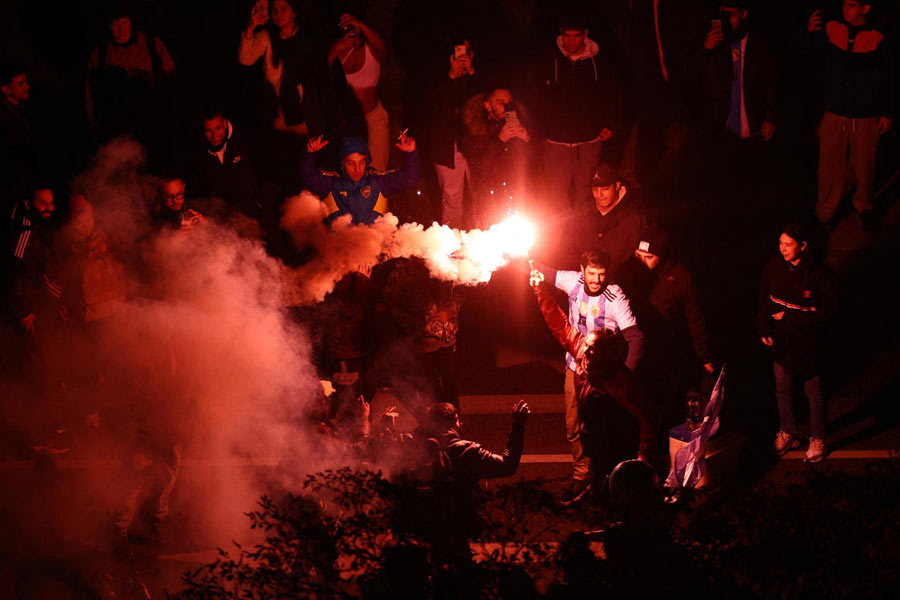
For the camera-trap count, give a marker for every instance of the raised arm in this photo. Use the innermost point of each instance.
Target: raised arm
(408, 174)
(569, 337)
(313, 179)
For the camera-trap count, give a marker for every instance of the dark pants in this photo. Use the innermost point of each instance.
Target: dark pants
(812, 385)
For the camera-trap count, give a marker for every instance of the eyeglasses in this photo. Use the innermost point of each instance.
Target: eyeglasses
(178, 196)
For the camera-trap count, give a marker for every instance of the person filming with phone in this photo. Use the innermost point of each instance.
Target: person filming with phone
(444, 130)
(497, 147)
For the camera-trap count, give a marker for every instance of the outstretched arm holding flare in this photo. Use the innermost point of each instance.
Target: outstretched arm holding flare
(567, 335)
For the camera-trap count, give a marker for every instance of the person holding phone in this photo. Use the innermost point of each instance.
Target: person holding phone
(290, 64)
(444, 129)
(739, 75)
(497, 147)
(361, 51)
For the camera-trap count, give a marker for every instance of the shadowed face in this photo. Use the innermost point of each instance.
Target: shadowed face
(854, 12)
(355, 166)
(573, 40)
(81, 221)
(282, 14)
(791, 250)
(649, 260)
(42, 203)
(496, 103)
(605, 197)
(737, 17)
(214, 130)
(120, 29)
(173, 194)
(17, 89)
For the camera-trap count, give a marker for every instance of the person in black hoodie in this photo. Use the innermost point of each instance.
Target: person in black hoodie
(796, 301)
(610, 221)
(222, 168)
(579, 107)
(664, 300)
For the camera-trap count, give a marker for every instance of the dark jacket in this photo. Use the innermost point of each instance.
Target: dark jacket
(125, 84)
(619, 388)
(859, 71)
(498, 170)
(665, 303)
(758, 83)
(577, 99)
(470, 461)
(28, 255)
(616, 233)
(366, 199)
(17, 156)
(233, 180)
(806, 295)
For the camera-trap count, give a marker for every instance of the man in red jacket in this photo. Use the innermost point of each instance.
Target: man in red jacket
(609, 402)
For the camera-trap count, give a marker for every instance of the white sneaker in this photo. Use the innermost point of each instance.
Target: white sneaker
(816, 451)
(785, 442)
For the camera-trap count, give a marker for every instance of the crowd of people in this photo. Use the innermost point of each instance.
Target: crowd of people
(581, 133)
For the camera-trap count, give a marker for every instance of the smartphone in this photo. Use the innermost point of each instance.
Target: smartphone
(717, 24)
(511, 116)
(726, 24)
(460, 50)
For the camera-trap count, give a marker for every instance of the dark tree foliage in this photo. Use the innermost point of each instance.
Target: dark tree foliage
(823, 534)
(331, 542)
(826, 534)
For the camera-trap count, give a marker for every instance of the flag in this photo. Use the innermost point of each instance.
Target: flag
(689, 465)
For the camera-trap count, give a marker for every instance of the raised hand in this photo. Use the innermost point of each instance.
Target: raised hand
(520, 412)
(315, 144)
(815, 21)
(259, 15)
(714, 37)
(406, 144)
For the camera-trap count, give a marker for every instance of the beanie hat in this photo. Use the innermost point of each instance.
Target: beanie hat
(654, 240)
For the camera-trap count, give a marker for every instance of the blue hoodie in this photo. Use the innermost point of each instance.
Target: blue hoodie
(366, 199)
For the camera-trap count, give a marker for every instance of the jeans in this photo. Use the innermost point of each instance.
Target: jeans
(784, 382)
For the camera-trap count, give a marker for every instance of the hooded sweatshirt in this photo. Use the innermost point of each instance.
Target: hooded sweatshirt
(859, 70)
(579, 96)
(365, 200)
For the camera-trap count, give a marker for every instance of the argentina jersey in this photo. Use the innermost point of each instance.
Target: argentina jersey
(609, 309)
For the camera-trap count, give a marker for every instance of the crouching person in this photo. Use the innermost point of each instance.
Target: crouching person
(446, 514)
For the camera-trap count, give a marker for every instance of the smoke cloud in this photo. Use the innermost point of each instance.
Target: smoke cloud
(201, 352)
(464, 257)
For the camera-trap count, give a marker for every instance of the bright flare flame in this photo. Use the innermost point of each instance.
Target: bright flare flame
(477, 254)
(515, 235)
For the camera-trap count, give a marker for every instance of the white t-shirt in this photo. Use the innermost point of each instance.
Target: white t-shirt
(609, 309)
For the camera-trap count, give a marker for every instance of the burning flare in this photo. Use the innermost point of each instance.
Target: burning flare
(465, 257)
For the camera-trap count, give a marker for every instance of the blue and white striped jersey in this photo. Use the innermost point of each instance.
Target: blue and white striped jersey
(609, 309)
